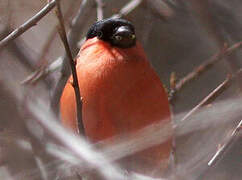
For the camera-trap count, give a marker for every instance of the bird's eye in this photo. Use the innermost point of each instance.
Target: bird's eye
(99, 34)
(132, 36)
(118, 38)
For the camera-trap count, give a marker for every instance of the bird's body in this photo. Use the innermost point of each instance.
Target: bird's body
(121, 93)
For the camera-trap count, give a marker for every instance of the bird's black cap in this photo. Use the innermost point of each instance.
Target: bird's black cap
(118, 32)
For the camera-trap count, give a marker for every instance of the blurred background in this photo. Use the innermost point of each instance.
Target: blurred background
(177, 35)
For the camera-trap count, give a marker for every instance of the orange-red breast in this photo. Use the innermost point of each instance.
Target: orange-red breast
(120, 91)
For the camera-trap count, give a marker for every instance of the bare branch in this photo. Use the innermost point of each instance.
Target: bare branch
(214, 94)
(206, 65)
(77, 25)
(100, 6)
(161, 8)
(43, 72)
(204, 15)
(130, 6)
(232, 138)
(75, 84)
(28, 24)
(45, 68)
(216, 91)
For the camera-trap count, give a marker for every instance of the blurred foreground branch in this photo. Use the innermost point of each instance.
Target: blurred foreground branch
(100, 5)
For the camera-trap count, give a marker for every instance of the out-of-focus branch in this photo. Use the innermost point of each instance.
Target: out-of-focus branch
(28, 24)
(75, 84)
(129, 7)
(100, 6)
(203, 67)
(43, 72)
(160, 8)
(222, 149)
(17, 50)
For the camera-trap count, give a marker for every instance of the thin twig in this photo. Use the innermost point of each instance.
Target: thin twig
(221, 151)
(203, 67)
(39, 74)
(218, 33)
(216, 91)
(75, 84)
(28, 24)
(44, 69)
(214, 94)
(100, 6)
(77, 25)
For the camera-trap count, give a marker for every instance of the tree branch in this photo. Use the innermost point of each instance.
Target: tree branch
(203, 67)
(100, 6)
(160, 8)
(77, 25)
(75, 85)
(28, 24)
(214, 94)
(221, 151)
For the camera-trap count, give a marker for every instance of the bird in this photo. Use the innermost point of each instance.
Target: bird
(120, 91)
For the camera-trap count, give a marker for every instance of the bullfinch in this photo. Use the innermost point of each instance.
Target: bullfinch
(121, 93)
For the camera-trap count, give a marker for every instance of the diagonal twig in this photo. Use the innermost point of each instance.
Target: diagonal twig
(44, 68)
(203, 67)
(75, 85)
(232, 138)
(214, 94)
(28, 24)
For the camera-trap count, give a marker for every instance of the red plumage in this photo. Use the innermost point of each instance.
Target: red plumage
(121, 93)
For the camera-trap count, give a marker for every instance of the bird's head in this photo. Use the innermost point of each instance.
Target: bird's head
(118, 32)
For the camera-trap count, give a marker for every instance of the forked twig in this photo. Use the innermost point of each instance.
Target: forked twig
(28, 24)
(75, 85)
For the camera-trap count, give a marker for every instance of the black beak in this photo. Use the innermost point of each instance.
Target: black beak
(124, 31)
